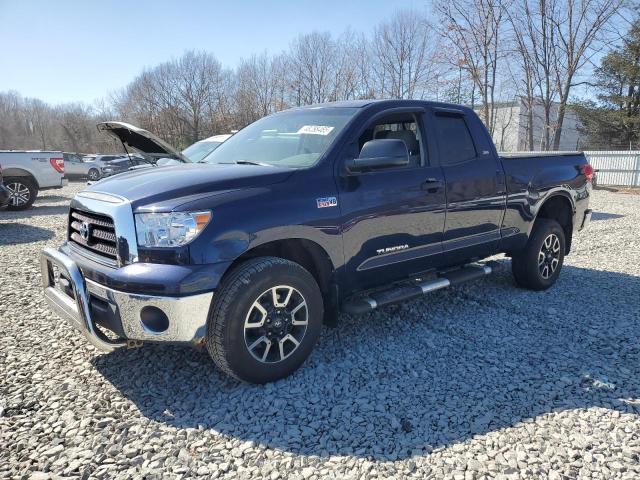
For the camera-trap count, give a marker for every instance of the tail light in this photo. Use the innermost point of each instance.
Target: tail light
(58, 164)
(587, 171)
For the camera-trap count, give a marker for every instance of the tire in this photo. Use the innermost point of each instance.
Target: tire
(538, 266)
(236, 325)
(93, 174)
(23, 192)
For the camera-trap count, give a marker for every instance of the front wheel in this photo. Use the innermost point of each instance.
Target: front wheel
(538, 266)
(22, 192)
(266, 318)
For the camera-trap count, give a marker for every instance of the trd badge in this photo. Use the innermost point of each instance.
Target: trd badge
(325, 202)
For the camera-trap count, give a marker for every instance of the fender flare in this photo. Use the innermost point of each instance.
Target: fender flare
(551, 195)
(19, 172)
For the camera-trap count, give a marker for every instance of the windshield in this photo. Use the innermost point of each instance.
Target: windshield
(294, 138)
(199, 150)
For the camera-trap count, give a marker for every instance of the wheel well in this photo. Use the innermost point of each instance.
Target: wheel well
(18, 172)
(559, 208)
(299, 250)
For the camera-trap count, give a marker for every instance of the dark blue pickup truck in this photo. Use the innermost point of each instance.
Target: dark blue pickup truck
(305, 213)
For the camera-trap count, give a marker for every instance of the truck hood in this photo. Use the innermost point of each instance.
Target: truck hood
(164, 188)
(141, 140)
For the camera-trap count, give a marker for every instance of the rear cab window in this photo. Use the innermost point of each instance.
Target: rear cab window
(454, 138)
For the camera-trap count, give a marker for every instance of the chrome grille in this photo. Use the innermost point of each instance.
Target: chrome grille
(93, 232)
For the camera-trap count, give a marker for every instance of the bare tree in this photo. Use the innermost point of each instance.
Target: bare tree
(579, 30)
(470, 61)
(476, 40)
(403, 55)
(555, 40)
(181, 99)
(260, 87)
(312, 59)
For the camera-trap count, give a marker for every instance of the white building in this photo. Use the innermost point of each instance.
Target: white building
(511, 130)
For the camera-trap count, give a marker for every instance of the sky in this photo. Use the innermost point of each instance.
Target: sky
(69, 51)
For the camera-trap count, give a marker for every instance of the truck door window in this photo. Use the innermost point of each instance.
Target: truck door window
(454, 139)
(402, 126)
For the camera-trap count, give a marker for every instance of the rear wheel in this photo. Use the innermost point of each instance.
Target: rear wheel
(22, 192)
(538, 266)
(93, 174)
(266, 318)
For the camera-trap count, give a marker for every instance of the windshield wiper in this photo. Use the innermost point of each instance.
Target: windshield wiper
(251, 162)
(240, 162)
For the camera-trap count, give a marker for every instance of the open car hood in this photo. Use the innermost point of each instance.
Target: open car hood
(141, 140)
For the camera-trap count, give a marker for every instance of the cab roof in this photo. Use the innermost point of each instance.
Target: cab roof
(391, 103)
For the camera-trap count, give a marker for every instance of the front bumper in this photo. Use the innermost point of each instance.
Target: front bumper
(86, 304)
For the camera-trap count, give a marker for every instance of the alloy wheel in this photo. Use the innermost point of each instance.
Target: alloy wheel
(19, 194)
(276, 324)
(549, 256)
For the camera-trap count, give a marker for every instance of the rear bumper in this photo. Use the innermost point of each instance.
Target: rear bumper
(86, 304)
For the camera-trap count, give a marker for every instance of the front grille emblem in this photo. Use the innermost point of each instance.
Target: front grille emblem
(85, 231)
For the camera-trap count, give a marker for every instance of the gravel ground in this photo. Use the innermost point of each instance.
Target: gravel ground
(480, 381)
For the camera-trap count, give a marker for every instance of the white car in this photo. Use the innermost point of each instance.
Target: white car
(156, 150)
(28, 171)
(199, 150)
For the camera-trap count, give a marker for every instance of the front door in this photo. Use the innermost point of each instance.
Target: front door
(392, 218)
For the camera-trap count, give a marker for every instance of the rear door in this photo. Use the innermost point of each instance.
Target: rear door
(475, 186)
(393, 218)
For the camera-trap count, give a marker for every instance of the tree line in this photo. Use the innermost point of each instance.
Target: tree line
(474, 52)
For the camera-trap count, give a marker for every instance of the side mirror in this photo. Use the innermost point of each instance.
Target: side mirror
(380, 153)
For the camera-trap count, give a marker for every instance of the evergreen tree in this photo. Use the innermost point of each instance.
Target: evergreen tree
(614, 120)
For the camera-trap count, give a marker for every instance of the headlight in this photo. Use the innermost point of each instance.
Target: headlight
(169, 229)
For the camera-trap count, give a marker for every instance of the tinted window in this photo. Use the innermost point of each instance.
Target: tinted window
(454, 139)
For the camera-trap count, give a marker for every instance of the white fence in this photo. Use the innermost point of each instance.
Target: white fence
(616, 167)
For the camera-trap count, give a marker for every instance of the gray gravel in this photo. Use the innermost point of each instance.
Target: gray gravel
(480, 381)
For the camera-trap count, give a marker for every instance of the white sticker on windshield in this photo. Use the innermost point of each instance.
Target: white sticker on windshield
(316, 130)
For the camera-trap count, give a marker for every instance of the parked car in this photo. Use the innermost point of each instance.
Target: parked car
(26, 172)
(156, 150)
(4, 192)
(199, 150)
(93, 166)
(305, 213)
(75, 166)
(124, 164)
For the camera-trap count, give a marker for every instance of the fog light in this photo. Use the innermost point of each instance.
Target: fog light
(154, 320)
